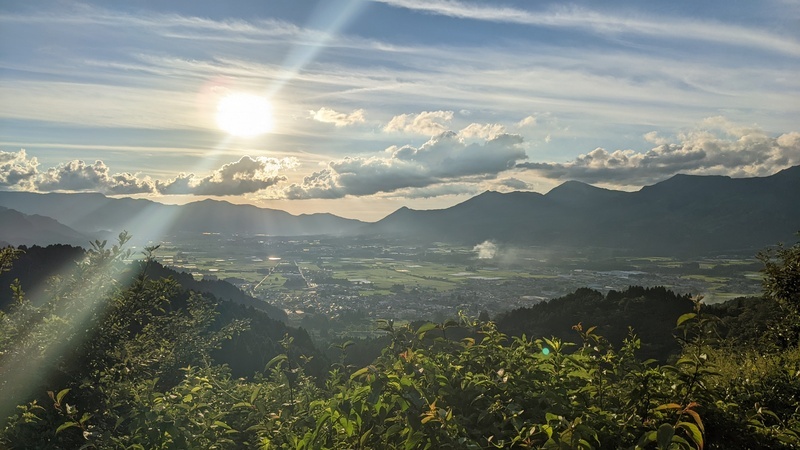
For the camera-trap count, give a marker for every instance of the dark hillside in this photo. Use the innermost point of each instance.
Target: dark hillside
(651, 312)
(17, 228)
(218, 288)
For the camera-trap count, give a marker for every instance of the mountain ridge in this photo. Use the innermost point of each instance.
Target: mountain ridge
(94, 213)
(683, 214)
(18, 228)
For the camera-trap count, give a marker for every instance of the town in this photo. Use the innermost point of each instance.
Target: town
(342, 285)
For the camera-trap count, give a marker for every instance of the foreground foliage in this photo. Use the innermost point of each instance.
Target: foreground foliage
(137, 373)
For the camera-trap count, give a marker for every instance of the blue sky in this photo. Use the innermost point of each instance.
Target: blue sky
(382, 104)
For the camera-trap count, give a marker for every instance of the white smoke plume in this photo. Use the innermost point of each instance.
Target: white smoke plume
(486, 250)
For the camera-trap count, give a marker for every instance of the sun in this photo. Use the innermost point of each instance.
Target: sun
(244, 115)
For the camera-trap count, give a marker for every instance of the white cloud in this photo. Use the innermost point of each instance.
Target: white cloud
(530, 121)
(77, 175)
(482, 131)
(241, 177)
(17, 170)
(427, 123)
(247, 175)
(716, 147)
(514, 183)
(437, 190)
(445, 157)
(327, 115)
(610, 25)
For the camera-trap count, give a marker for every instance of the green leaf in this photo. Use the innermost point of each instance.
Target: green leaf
(664, 436)
(685, 317)
(222, 424)
(66, 425)
(359, 372)
(365, 437)
(694, 432)
(549, 417)
(668, 406)
(412, 440)
(255, 393)
(275, 361)
(424, 329)
(61, 395)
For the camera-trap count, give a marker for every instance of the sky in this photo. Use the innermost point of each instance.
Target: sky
(358, 107)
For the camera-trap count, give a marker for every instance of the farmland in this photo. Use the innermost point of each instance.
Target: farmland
(319, 280)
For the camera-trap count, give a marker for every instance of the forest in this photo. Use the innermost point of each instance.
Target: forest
(113, 354)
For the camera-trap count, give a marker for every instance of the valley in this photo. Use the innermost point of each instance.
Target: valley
(342, 285)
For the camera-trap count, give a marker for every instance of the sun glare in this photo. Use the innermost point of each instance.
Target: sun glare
(244, 115)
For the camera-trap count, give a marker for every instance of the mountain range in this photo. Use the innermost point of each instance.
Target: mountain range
(96, 215)
(683, 214)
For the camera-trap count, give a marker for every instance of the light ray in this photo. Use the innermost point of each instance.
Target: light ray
(329, 18)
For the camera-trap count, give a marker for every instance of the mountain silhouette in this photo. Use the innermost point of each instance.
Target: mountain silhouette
(94, 213)
(17, 228)
(685, 214)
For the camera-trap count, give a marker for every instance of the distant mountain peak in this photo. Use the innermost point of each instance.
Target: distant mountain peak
(577, 191)
(572, 186)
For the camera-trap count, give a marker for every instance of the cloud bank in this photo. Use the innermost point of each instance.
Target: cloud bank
(79, 176)
(247, 175)
(450, 163)
(718, 147)
(444, 157)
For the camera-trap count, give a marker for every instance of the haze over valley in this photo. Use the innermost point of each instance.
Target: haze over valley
(492, 253)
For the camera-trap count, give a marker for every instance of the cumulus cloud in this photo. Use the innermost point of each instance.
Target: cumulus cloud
(530, 121)
(339, 119)
(17, 170)
(241, 177)
(445, 157)
(485, 250)
(514, 183)
(79, 176)
(426, 123)
(482, 131)
(716, 147)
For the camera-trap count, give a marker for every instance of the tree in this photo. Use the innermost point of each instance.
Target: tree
(782, 284)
